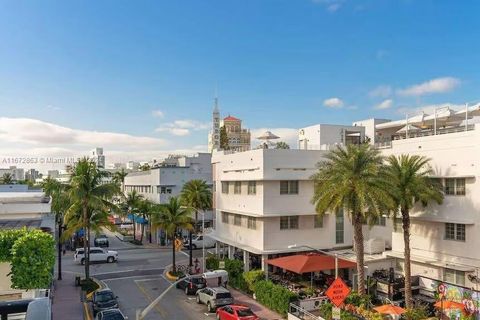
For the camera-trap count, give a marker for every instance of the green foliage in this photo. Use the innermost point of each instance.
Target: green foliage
(282, 145)
(212, 262)
(7, 239)
(252, 278)
(416, 314)
(33, 258)
(234, 268)
(274, 297)
(7, 178)
(358, 300)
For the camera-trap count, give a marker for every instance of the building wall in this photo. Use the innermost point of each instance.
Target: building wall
(324, 136)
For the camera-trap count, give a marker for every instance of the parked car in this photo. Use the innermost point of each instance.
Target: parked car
(104, 299)
(112, 314)
(192, 284)
(214, 297)
(236, 312)
(96, 255)
(197, 242)
(101, 241)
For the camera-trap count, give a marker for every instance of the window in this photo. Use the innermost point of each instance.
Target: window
(455, 186)
(225, 217)
(289, 222)
(252, 223)
(237, 187)
(252, 187)
(318, 223)
(339, 227)
(455, 231)
(454, 276)
(289, 187)
(225, 187)
(237, 220)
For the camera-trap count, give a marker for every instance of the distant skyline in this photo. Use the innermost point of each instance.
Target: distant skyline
(139, 78)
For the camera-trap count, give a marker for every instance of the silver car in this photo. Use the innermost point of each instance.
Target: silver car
(214, 297)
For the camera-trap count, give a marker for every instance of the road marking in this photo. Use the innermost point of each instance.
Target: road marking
(145, 293)
(123, 278)
(150, 279)
(185, 253)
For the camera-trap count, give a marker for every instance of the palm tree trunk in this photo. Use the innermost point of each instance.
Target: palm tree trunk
(358, 240)
(142, 229)
(174, 268)
(408, 273)
(59, 249)
(134, 227)
(85, 247)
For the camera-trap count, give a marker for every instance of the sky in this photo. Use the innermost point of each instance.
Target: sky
(138, 78)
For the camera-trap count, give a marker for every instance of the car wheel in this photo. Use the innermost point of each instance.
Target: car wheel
(209, 307)
(110, 259)
(198, 300)
(187, 292)
(82, 261)
(194, 247)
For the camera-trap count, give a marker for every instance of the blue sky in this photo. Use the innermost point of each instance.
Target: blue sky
(87, 66)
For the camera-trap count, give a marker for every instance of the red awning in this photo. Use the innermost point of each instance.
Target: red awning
(303, 263)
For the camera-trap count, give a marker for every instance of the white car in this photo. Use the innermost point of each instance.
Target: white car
(96, 255)
(198, 241)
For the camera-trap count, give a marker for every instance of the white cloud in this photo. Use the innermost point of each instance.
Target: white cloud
(288, 135)
(385, 104)
(183, 127)
(334, 102)
(158, 114)
(438, 85)
(382, 91)
(330, 5)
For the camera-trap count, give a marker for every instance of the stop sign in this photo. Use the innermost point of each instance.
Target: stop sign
(337, 292)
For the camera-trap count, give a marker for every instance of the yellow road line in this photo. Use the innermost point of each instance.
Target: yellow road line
(87, 311)
(145, 293)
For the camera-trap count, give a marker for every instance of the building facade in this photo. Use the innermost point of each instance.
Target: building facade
(16, 173)
(98, 157)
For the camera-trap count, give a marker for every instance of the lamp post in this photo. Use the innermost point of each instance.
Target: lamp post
(335, 255)
(203, 240)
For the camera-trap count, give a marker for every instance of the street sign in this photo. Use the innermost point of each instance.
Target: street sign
(335, 313)
(178, 244)
(221, 265)
(337, 292)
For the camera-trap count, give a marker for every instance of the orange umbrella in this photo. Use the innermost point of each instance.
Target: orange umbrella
(448, 304)
(390, 309)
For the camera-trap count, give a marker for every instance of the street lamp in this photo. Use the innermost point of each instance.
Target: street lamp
(335, 255)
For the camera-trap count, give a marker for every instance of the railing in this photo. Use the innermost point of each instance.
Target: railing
(299, 313)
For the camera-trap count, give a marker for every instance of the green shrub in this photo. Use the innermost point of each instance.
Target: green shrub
(234, 268)
(252, 277)
(212, 262)
(274, 297)
(33, 258)
(358, 300)
(416, 314)
(7, 239)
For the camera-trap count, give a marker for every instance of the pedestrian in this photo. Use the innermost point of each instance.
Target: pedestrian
(197, 266)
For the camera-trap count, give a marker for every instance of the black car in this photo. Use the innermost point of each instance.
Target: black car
(112, 314)
(192, 284)
(104, 300)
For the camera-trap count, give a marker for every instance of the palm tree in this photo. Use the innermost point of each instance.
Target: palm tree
(172, 217)
(197, 195)
(349, 179)
(59, 204)
(146, 209)
(7, 178)
(132, 203)
(119, 177)
(89, 195)
(409, 183)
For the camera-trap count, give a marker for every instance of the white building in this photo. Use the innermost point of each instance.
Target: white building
(132, 165)
(98, 157)
(161, 183)
(17, 173)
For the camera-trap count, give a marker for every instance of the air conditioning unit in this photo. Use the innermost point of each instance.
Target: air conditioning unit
(375, 245)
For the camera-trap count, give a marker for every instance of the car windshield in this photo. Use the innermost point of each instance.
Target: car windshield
(223, 295)
(113, 315)
(245, 313)
(104, 296)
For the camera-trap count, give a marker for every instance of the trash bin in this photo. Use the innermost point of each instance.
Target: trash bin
(77, 281)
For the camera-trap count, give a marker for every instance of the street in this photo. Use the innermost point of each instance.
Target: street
(137, 279)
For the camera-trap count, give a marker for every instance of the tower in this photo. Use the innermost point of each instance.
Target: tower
(214, 136)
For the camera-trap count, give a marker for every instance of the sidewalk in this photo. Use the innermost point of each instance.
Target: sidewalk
(256, 307)
(66, 299)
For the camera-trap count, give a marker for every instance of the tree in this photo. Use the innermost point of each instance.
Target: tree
(145, 209)
(59, 204)
(132, 204)
(144, 167)
(7, 178)
(119, 177)
(89, 195)
(409, 182)
(171, 217)
(197, 195)
(350, 179)
(282, 145)
(224, 139)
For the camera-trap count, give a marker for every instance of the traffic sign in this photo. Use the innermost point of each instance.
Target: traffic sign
(337, 292)
(178, 244)
(221, 265)
(336, 313)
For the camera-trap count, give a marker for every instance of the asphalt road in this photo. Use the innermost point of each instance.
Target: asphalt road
(137, 279)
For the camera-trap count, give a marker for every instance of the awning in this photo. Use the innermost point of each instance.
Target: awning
(303, 263)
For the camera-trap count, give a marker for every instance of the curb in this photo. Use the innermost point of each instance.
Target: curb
(87, 314)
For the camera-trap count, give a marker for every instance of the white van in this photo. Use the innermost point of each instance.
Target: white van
(216, 278)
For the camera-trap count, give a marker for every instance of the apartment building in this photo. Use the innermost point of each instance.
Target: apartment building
(16, 173)
(161, 183)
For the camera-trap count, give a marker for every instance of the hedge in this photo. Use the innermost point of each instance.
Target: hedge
(7, 239)
(252, 278)
(273, 296)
